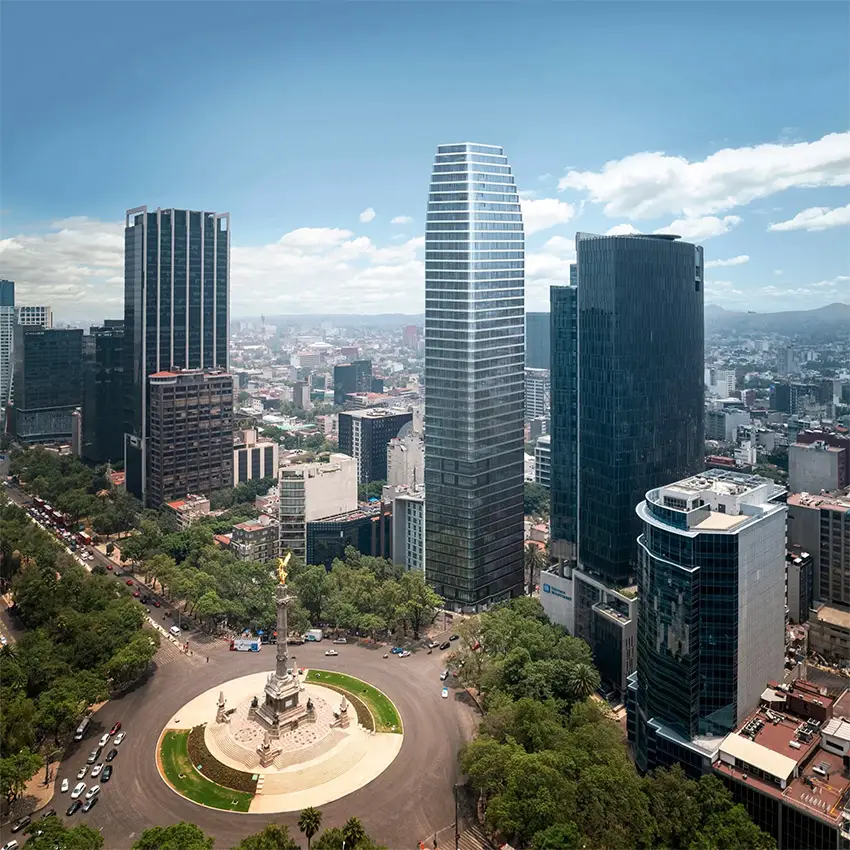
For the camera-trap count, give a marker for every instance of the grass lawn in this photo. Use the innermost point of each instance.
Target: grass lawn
(385, 713)
(182, 775)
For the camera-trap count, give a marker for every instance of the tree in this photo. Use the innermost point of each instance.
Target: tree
(559, 836)
(59, 707)
(179, 836)
(309, 822)
(16, 771)
(419, 601)
(311, 587)
(273, 837)
(372, 490)
(353, 832)
(534, 561)
(731, 830)
(582, 680)
(51, 833)
(535, 499)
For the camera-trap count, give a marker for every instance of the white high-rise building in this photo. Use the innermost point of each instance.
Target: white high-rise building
(536, 393)
(7, 336)
(543, 461)
(406, 460)
(474, 376)
(408, 547)
(34, 315)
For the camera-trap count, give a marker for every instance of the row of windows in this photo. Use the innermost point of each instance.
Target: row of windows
(484, 158)
(488, 256)
(477, 278)
(478, 168)
(461, 177)
(500, 265)
(463, 148)
(479, 243)
(443, 212)
(464, 225)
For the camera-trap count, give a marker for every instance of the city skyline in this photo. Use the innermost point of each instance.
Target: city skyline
(755, 172)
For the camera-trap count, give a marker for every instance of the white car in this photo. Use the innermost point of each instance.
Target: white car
(65, 786)
(82, 771)
(95, 771)
(93, 792)
(119, 738)
(444, 675)
(445, 693)
(78, 790)
(11, 845)
(331, 652)
(104, 740)
(405, 654)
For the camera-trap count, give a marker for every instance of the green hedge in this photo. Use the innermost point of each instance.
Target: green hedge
(387, 718)
(213, 769)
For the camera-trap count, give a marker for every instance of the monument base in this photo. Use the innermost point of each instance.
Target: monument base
(282, 710)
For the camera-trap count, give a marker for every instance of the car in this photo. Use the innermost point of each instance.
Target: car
(454, 637)
(93, 756)
(397, 650)
(104, 739)
(404, 654)
(109, 566)
(136, 594)
(445, 645)
(50, 813)
(119, 738)
(11, 845)
(81, 773)
(129, 582)
(444, 693)
(65, 786)
(20, 823)
(95, 771)
(340, 640)
(444, 675)
(74, 807)
(93, 792)
(156, 603)
(90, 804)
(174, 630)
(107, 773)
(331, 652)
(78, 789)
(432, 644)
(110, 756)
(146, 599)
(116, 727)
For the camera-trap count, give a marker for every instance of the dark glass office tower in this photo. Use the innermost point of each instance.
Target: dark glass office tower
(563, 414)
(103, 388)
(640, 386)
(474, 377)
(176, 309)
(365, 435)
(537, 340)
(354, 377)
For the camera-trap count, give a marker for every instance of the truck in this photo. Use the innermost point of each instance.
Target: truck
(84, 538)
(313, 635)
(245, 645)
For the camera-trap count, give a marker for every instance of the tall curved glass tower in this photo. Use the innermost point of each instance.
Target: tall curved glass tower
(474, 377)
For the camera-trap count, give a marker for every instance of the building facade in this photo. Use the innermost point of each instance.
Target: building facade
(190, 421)
(474, 376)
(256, 540)
(365, 435)
(536, 394)
(47, 382)
(176, 311)
(7, 338)
(711, 621)
(103, 389)
(815, 467)
(253, 457)
(537, 341)
(366, 529)
(42, 316)
(354, 377)
(406, 460)
(543, 461)
(408, 539)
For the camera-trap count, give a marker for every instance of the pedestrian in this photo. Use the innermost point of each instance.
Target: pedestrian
(208, 659)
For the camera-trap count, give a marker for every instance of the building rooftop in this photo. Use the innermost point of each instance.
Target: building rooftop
(376, 412)
(721, 482)
(834, 616)
(828, 501)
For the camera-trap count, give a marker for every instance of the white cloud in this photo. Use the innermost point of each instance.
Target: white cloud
(367, 215)
(562, 247)
(314, 238)
(401, 219)
(621, 230)
(732, 261)
(543, 213)
(724, 292)
(816, 218)
(698, 229)
(653, 184)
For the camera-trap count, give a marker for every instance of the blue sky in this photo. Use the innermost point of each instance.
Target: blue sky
(726, 119)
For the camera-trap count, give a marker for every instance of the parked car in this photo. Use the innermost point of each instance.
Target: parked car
(432, 644)
(50, 813)
(81, 773)
(11, 845)
(340, 640)
(110, 756)
(119, 738)
(454, 637)
(95, 771)
(20, 823)
(78, 790)
(136, 594)
(445, 645)
(444, 675)
(74, 807)
(129, 582)
(331, 652)
(93, 756)
(93, 792)
(107, 773)
(156, 603)
(104, 739)
(404, 654)
(109, 566)
(65, 786)
(174, 630)
(444, 693)
(397, 650)
(90, 804)
(116, 727)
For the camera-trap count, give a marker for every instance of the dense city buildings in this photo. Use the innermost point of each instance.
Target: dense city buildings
(537, 349)
(42, 316)
(190, 434)
(536, 393)
(474, 375)
(253, 456)
(408, 535)
(711, 622)
(365, 435)
(7, 337)
(176, 311)
(354, 377)
(48, 370)
(368, 529)
(103, 392)
(256, 540)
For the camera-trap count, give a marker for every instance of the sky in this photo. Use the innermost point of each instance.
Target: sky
(315, 126)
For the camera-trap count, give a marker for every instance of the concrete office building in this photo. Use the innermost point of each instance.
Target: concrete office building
(256, 540)
(406, 460)
(254, 457)
(103, 393)
(474, 376)
(722, 423)
(301, 395)
(313, 491)
(190, 434)
(838, 441)
(176, 312)
(537, 341)
(408, 538)
(42, 316)
(48, 367)
(536, 393)
(7, 338)
(365, 435)
(799, 585)
(543, 461)
(711, 622)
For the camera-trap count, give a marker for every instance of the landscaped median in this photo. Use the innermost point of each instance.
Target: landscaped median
(385, 715)
(185, 778)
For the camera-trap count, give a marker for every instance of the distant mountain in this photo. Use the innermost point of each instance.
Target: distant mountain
(834, 318)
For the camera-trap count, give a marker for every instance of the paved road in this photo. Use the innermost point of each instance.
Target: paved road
(409, 802)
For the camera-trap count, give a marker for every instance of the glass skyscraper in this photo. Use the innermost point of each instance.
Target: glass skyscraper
(474, 377)
(176, 309)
